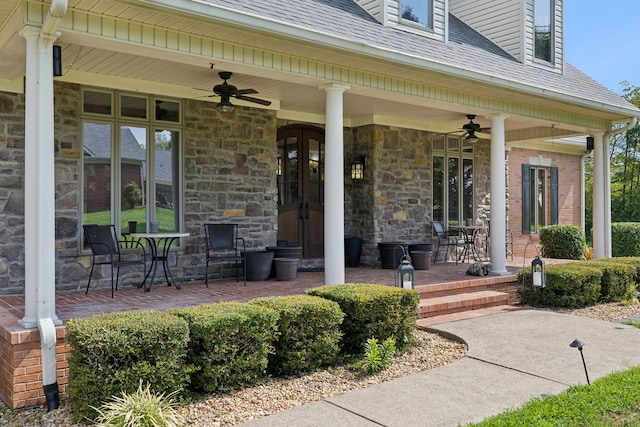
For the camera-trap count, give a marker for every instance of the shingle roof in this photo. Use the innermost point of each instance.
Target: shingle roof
(344, 19)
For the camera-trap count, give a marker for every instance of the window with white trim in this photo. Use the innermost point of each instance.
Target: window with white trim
(417, 12)
(131, 160)
(543, 28)
(539, 197)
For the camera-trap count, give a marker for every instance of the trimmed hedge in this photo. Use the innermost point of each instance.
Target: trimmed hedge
(230, 343)
(376, 311)
(618, 280)
(625, 239)
(309, 333)
(567, 285)
(112, 352)
(563, 242)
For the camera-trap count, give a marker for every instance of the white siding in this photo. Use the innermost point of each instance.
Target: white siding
(501, 21)
(374, 8)
(558, 39)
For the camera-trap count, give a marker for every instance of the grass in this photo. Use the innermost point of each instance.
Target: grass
(613, 400)
(164, 216)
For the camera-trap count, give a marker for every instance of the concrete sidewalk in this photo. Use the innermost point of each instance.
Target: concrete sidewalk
(512, 358)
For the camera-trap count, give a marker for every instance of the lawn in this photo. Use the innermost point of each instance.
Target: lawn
(165, 218)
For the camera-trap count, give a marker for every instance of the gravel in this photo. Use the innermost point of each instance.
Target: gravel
(277, 395)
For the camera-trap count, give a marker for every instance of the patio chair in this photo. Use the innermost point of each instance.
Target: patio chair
(445, 239)
(106, 250)
(222, 245)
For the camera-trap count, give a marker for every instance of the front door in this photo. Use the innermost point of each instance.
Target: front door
(301, 188)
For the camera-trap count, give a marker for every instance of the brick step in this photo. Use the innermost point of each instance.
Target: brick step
(463, 286)
(448, 304)
(462, 315)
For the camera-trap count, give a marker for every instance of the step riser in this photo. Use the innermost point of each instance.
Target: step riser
(460, 306)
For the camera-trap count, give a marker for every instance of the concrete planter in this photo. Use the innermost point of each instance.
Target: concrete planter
(286, 268)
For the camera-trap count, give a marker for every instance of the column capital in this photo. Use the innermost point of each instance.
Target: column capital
(29, 31)
(497, 116)
(334, 87)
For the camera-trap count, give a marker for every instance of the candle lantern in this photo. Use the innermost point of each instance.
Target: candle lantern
(405, 276)
(538, 272)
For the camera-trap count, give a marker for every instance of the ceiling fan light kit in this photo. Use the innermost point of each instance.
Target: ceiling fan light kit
(225, 91)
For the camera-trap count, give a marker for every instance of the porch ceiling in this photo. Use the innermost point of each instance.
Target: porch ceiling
(94, 59)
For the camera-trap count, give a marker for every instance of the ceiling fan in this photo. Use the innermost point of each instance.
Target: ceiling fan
(225, 91)
(471, 128)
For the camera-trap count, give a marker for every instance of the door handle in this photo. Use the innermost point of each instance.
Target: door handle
(300, 213)
(306, 210)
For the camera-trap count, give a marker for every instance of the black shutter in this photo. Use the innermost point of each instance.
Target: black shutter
(526, 199)
(554, 195)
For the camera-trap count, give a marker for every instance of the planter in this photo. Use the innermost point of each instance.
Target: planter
(390, 254)
(421, 260)
(133, 225)
(259, 265)
(352, 251)
(286, 268)
(294, 252)
(420, 247)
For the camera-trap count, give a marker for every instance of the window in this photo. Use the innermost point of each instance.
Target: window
(543, 29)
(131, 161)
(453, 189)
(539, 197)
(416, 11)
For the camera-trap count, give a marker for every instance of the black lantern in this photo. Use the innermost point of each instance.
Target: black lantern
(538, 272)
(405, 273)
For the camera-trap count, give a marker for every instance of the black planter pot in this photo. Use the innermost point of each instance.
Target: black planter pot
(259, 264)
(391, 253)
(352, 251)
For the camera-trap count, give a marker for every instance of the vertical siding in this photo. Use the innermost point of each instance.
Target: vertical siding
(498, 20)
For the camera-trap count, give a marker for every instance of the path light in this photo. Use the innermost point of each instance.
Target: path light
(579, 344)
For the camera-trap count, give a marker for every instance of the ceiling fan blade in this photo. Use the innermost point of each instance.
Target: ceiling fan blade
(251, 99)
(245, 91)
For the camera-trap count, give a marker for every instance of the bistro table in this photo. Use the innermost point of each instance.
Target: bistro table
(469, 234)
(164, 241)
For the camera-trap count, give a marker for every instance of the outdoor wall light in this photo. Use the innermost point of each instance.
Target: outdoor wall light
(57, 61)
(357, 169)
(579, 344)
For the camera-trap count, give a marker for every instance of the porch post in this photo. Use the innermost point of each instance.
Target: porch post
(498, 196)
(334, 186)
(600, 157)
(39, 181)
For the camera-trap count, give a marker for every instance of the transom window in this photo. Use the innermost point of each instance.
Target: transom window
(416, 12)
(543, 29)
(131, 160)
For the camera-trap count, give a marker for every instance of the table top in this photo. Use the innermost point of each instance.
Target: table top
(160, 235)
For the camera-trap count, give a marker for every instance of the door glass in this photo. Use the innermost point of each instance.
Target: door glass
(97, 156)
(316, 166)
(166, 179)
(133, 157)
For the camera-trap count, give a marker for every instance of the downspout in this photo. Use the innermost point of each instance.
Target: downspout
(46, 326)
(607, 183)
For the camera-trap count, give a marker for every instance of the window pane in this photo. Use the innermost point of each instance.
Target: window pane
(96, 102)
(315, 183)
(453, 190)
(467, 189)
(97, 174)
(418, 11)
(167, 111)
(453, 144)
(133, 141)
(166, 173)
(438, 188)
(541, 201)
(543, 28)
(438, 142)
(133, 106)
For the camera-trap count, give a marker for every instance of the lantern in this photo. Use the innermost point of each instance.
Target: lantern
(405, 273)
(538, 272)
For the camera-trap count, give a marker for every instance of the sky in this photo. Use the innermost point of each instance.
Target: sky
(601, 39)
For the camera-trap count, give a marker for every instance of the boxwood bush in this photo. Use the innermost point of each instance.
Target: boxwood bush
(562, 241)
(373, 311)
(625, 239)
(111, 353)
(567, 285)
(229, 343)
(309, 333)
(618, 280)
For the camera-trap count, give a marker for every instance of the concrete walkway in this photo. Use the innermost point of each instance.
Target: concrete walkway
(512, 358)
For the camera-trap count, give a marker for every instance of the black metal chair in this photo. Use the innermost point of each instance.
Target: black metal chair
(446, 239)
(222, 245)
(106, 250)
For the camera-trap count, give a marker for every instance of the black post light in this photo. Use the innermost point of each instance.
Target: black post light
(579, 344)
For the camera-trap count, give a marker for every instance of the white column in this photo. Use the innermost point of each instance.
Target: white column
(498, 197)
(600, 157)
(606, 163)
(334, 186)
(39, 182)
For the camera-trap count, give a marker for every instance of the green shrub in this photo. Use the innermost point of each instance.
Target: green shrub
(618, 280)
(140, 409)
(230, 343)
(568, 285)
(562, 241)
(378, 356)
(634, 261)
(132, 195)
(373, 311)
(112, 352)
(625, 239)
(309, 333)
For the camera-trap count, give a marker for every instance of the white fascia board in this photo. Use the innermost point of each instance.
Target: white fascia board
(227, 16)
